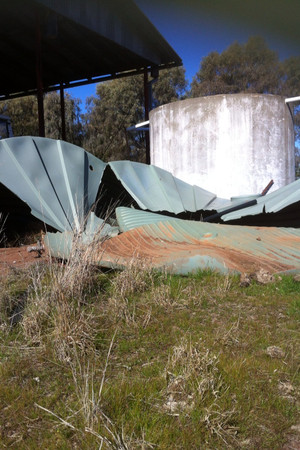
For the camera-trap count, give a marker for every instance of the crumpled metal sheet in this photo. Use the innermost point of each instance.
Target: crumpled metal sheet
(184, 246)
(59, 181)
(181, 246)
(270, 203)
(156, 189)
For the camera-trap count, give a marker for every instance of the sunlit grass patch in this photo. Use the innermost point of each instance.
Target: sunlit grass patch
(196, 362)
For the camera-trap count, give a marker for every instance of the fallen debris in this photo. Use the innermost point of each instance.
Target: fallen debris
(181, 246)
(275, 352)
(261, 277)
(71, 190)
(38, 248)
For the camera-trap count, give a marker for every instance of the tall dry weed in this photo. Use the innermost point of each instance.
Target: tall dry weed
(56, 305)
(137, 277)
(198, 366)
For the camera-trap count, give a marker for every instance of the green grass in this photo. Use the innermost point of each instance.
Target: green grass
(146, 360)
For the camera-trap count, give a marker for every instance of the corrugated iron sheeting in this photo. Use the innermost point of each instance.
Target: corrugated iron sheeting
(181, 247)
(270, 203)
(156, 189)
(59, 181)
(184, 246)
(74, 34)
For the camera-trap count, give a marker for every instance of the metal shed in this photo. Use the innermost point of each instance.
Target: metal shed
(56, 44)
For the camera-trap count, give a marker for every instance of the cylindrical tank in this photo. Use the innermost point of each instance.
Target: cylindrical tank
(228, 144)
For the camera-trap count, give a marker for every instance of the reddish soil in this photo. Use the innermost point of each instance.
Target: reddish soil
(18, 257)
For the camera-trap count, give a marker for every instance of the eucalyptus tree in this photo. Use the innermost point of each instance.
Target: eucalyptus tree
(119, 105)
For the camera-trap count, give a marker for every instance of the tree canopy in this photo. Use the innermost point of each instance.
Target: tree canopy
(118, 105)
(24, 116)
(249, 67)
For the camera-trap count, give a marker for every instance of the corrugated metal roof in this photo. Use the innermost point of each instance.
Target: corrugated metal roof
(80, 40)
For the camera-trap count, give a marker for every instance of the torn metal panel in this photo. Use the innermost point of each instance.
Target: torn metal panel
(59, 181)
(181, 246)
(270, 203)
(156, 189)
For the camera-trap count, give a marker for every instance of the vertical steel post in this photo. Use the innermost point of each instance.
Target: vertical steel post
(62, 112)
(39, 80)
(146, 97)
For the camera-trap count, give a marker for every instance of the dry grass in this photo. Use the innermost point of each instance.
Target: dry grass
(198, 366)
(136, 278)
(56, 304)
(89, 399)
(187, 368)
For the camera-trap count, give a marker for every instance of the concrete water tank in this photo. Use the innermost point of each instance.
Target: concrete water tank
(228, 144)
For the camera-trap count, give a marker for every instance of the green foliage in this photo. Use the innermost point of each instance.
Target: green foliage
(170, 86)
(249, 67)
(24, 116)
(291, 68)
(291, 87)
(52, 113)
(118, 105)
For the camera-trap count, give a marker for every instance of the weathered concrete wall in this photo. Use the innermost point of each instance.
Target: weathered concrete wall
(229, 144)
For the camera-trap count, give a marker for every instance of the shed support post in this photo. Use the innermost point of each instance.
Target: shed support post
(146, 97)
(39, 81)
(62, 112)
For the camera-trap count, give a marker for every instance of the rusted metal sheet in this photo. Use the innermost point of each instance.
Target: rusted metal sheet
(181, 246)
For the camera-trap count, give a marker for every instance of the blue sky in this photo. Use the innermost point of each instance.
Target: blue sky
(194, 33)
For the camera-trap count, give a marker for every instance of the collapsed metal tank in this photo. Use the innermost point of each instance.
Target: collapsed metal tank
(228, 144)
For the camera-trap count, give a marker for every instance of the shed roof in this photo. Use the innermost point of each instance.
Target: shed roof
(80, 40)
